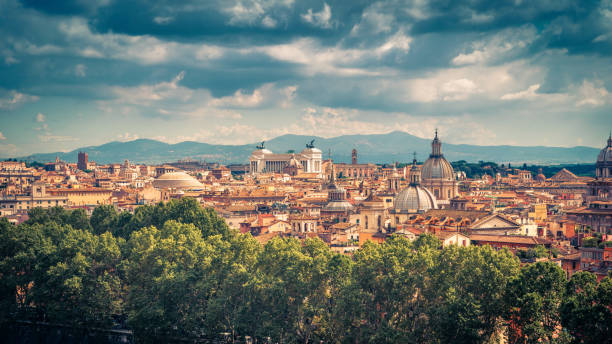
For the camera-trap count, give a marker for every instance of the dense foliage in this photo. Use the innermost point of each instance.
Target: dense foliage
(176, 270)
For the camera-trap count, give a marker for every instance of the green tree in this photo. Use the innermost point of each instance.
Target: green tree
(61, 274)
(294, 289)
(533, 301)
(104, 219)
(470, 283)
(171, 274)
(587, 308)
(185, 210)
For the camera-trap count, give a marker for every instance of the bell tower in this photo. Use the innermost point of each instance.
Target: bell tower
(354, 157)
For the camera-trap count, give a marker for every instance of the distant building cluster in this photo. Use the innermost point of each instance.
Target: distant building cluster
(304, 195)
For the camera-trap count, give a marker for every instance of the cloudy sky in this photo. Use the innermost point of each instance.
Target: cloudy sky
(80, 72)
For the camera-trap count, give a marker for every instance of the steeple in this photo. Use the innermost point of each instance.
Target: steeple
(436, 146)
(610, 139)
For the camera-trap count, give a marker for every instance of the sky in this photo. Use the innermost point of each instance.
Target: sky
(79, 73)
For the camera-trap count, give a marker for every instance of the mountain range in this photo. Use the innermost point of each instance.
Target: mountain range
(378, 148)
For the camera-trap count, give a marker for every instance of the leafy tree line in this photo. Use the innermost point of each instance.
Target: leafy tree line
(176, 270)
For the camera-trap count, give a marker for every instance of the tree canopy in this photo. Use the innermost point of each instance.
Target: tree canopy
(175, 270)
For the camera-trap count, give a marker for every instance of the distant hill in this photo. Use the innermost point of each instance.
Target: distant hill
(380, 148)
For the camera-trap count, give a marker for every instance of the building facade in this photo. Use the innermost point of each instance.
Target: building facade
(354, 169)
(263, 160)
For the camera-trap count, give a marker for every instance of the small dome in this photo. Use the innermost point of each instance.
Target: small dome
(414, 199)
(177, 180)
(341, 205)
(437, 168)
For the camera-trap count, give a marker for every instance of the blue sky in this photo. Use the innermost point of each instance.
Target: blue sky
(79, 73)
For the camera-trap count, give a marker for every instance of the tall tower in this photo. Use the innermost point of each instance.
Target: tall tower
(82, 161)
(354, 157)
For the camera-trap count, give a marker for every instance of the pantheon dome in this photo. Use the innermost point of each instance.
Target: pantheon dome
(603, 166)
(177, 180)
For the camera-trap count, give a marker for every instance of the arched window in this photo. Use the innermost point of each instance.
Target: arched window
(378, 221)
(366, 222)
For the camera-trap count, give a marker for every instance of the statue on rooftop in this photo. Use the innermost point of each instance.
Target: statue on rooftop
(311, 144)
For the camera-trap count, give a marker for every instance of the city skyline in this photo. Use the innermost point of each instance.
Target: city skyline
(238, 72)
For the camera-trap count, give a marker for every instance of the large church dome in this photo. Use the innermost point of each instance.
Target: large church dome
(603, 167)
(437, 167)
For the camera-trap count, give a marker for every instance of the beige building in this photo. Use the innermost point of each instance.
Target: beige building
(38, 198)
(84, 196)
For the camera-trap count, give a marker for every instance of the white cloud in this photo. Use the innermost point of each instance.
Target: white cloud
(80, 70)
(56, 138)
(40, 117)
(592, 94)
(269, 22)
(317, 59)
(163, 20)
(240, 99)
(266, 95)
(150, 94)
(245, 12)
(497, 46)
(399, 41)
(127, 137)
(373, 21)
(485, 82)
(529, 93)
(458, 89)
(320, 19)
(12, 99)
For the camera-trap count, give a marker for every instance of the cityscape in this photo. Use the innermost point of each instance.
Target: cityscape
(312, 172)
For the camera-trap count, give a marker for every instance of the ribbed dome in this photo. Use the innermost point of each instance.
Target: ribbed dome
(177, 180)
(414, 199)
(603, 167)
(437, 168)
(605, 155)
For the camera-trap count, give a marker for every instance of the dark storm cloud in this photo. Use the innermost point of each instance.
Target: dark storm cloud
(49, 57)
